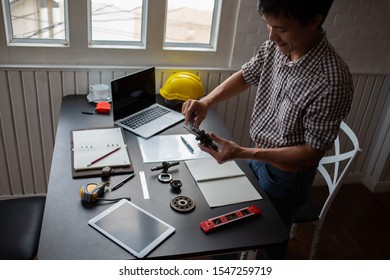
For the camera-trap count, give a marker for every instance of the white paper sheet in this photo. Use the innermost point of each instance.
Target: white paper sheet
(169, 148)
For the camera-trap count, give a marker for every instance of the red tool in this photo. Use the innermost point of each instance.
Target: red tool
(216, 222)
(103, 107)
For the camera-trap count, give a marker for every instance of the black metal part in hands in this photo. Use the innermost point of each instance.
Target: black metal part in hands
(201, 136)
(206, 140)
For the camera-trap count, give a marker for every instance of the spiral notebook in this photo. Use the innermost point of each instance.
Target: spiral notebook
(93, 149)
(222, 184)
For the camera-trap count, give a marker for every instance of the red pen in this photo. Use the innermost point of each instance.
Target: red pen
(102, 157)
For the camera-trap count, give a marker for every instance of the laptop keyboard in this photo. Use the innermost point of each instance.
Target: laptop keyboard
(144, 117)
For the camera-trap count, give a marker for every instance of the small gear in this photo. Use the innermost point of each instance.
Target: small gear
(182, 203)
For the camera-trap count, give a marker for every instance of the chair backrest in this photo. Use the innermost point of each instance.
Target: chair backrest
(334, 176)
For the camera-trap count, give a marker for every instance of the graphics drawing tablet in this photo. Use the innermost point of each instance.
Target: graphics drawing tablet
(131, 227)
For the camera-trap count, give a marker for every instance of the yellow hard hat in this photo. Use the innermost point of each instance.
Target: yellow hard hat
(182, 86)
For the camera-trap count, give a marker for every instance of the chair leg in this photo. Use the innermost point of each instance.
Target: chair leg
(314, 243)
(244, 255)
(248, 255)
(293, 230)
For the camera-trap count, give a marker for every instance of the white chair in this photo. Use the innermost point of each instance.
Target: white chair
(334, 177)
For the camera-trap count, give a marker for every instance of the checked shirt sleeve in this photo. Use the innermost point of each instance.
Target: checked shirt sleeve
(323, 117)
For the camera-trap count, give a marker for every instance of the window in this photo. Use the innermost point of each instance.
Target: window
(117, 22)
(36, 21)
(119, 32)
(191, 24)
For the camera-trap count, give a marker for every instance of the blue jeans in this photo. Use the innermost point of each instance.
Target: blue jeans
(288, 191)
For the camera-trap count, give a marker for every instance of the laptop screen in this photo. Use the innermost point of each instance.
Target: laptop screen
(133, 93)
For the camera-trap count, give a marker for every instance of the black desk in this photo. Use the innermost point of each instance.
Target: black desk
(65, 231)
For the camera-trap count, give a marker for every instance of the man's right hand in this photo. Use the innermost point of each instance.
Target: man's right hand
(195, 109)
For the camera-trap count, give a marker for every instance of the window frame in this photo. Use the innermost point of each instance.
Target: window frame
(37, 42)
(215, 26)
(119, 44)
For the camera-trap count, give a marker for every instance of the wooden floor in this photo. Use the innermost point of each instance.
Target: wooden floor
(357, 227)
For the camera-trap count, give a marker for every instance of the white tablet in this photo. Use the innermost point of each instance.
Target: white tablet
(131, 227)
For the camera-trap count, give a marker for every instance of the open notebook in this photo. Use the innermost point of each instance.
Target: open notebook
(93, 149)
(222, 184)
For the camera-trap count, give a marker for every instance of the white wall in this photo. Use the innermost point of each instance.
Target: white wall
(358, 29)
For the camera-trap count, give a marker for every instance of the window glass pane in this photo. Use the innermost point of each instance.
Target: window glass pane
(189, 21)
(116, 20)
(37, 19)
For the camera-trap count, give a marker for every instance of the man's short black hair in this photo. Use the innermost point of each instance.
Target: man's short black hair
(301, 10)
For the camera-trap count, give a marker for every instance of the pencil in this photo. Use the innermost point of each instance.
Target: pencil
(102, 157)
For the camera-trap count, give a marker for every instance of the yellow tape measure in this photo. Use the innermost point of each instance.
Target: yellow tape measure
(92, 191)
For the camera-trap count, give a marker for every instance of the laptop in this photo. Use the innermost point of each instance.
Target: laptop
(135, 108)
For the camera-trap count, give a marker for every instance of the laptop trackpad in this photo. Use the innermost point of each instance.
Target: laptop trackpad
(153, 127)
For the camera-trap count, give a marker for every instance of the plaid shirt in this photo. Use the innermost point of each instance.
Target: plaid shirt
(298, 102)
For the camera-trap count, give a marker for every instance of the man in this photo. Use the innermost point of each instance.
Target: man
(304, 91)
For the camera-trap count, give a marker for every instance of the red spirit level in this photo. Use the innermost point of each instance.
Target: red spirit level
(216, 222)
